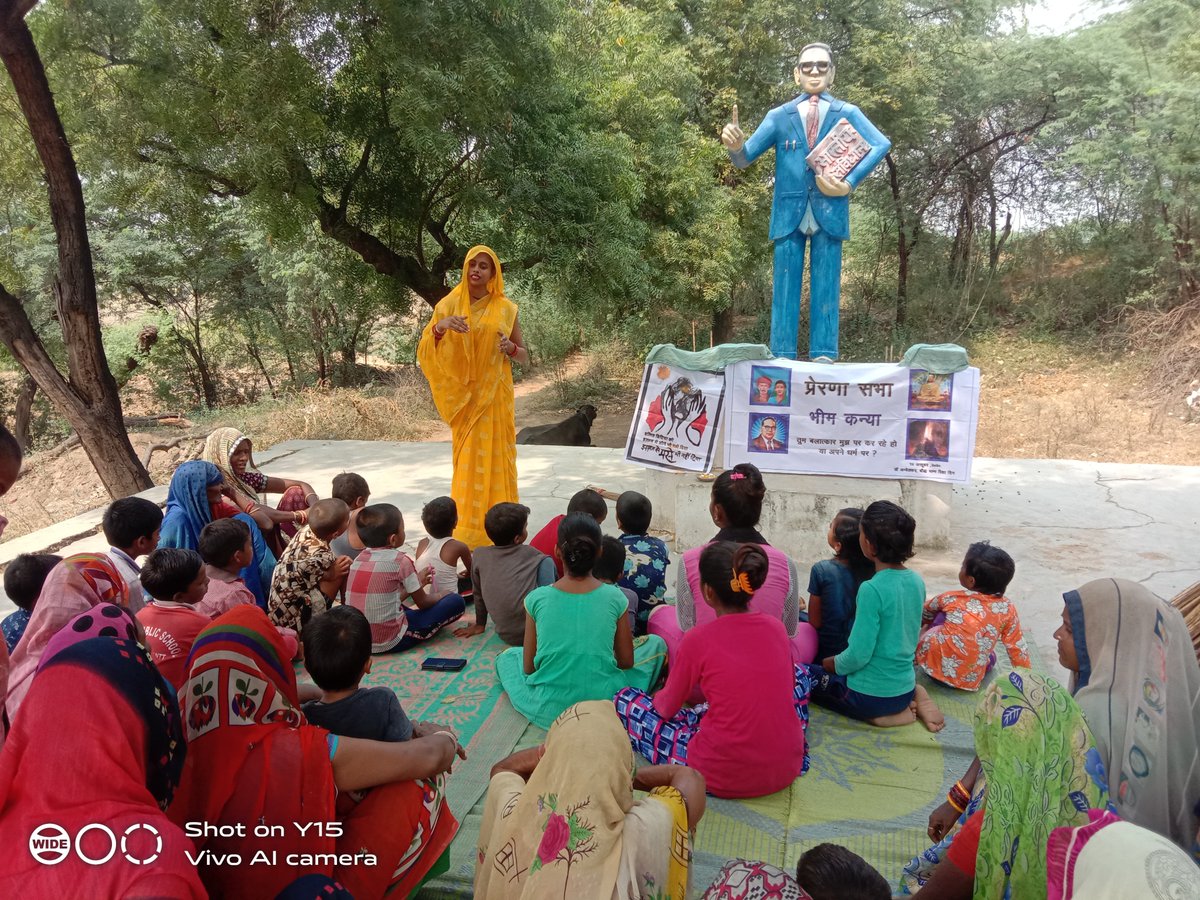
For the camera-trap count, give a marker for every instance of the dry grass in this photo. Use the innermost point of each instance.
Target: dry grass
(1051, 400)
(399, 410)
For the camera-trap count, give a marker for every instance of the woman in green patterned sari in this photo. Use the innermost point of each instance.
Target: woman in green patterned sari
(1042, 771)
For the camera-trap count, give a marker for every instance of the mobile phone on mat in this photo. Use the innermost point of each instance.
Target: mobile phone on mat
(443, 664)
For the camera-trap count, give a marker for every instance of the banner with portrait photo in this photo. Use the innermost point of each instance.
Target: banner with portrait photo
(675, 422)
(865, 420)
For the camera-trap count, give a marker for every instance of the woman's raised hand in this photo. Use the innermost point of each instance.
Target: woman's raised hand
(453, 323)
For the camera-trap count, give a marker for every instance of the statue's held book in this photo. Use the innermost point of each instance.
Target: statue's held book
(836, 154)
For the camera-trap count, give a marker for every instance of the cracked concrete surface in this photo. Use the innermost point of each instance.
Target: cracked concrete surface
(1065, 522)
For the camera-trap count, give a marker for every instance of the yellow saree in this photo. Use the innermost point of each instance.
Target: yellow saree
(472, 386)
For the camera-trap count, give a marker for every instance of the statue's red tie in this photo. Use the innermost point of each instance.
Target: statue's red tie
(812, 125)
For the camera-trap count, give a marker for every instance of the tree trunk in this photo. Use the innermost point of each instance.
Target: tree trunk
(24, 412)
(903, 249)
(722, 325)
(318, 339)
(252, 349)
(87, 397)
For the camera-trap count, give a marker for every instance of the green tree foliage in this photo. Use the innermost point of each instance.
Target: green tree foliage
(273, 184)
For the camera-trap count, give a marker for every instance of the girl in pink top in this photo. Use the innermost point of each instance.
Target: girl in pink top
(748, 740)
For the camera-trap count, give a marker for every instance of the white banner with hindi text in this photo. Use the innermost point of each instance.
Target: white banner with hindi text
(865, 420)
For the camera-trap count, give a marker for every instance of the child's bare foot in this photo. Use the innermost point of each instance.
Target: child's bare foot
(904, 717)
(926, 709)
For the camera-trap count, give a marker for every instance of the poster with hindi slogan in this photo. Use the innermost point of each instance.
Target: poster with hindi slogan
(675, 422)
(867, 420)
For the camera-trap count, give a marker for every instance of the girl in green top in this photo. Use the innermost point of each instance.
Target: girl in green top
(873, 678)
(578, 642)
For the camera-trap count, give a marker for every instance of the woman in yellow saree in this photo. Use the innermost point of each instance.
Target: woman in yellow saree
(466, 352)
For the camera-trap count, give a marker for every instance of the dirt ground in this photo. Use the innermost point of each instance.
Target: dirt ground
(1038, 400)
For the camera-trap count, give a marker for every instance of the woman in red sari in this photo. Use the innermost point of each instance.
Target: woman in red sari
(116, 765)
(254, 761)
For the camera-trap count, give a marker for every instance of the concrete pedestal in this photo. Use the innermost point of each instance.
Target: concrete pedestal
(799, 508)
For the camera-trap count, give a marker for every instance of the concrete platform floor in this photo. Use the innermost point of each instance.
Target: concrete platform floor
(1065, 522)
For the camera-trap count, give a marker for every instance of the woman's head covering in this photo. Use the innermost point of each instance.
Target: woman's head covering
(1108, 859)
(495, 285)
(219, 447)
(1042, 772)
(1139, 687)
(104, 620)
(746, 879)
(116, 765)
(564, 831)
(75, 585)
(188, 509)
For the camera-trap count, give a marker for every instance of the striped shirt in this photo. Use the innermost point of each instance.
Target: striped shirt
(380, 578)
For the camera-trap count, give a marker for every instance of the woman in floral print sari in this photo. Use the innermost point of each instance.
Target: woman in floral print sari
(560, 819)
(1042, 770)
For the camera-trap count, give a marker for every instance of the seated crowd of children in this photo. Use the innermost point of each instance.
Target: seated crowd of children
(741, 662)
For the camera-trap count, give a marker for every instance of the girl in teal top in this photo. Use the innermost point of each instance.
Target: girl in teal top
(578, 642)
(873, 678)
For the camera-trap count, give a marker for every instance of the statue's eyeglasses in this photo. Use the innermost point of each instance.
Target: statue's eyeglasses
(819, 67)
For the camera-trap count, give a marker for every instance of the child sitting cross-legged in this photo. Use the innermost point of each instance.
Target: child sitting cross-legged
(176, 581)
(23, 580)
(383, 577)
(309, 574)
(873, 679)
(503, 575)
(440, 551)
(578, 643)
(965, 626)
(646, 570)
(749, 739)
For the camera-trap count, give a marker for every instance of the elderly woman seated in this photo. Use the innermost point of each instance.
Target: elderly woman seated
(233, 454)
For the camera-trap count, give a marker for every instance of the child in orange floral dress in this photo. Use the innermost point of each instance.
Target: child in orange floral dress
(958, 647)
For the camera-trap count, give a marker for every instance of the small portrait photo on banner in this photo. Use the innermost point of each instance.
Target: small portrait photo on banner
(770, 386)
(928, 439)
(768, 433)
(928, 391)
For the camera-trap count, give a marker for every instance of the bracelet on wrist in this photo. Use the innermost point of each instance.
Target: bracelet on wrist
(514, 351)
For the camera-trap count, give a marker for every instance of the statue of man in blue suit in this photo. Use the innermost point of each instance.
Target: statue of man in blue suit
(808, 209)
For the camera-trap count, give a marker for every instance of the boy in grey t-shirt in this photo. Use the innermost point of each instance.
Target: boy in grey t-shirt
(337, 654)
(504, 574)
